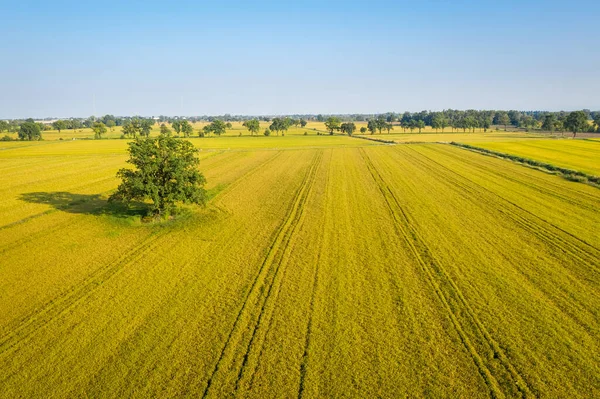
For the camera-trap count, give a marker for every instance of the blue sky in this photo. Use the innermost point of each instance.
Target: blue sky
(280, 57)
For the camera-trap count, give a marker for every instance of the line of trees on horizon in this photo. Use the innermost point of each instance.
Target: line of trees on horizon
(468, 120)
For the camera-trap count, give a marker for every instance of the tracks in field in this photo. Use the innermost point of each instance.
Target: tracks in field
(468, 326)
(262, 295)
(36, 320)
(549, 233)
(27, 326)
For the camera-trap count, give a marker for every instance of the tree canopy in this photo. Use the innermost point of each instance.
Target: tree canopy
(576, 122)
(348, 128)
(217, 127)
(332, 124)
(30, 131)
(253, 126)
(166, 172)
(99, 129)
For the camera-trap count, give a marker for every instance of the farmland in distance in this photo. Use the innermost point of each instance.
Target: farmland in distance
(321, 267)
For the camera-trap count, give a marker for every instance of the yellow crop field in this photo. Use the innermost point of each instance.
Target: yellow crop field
(431, 136)
(580, 155)
(322, 266)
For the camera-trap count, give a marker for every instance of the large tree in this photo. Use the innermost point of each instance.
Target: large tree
(253, 126)
(165, 172)
(576, 122)
(30, 131)
(332, 124)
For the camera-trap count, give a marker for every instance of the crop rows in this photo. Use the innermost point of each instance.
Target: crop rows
(376, 271)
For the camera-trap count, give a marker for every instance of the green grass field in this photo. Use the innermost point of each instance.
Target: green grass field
(322, 266)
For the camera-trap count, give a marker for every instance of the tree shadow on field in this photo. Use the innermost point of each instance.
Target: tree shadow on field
(89, 204)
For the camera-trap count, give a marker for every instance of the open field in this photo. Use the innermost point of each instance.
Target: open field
(322, 267)
(430, 136)
(581, 155)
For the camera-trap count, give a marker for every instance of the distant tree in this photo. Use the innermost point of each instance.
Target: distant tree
(471, 123)
(388, 127)
(228, 125)
(253, 126)
(74, 124)
(217, 127)
(30, 131)
(111, 123)
(502, 118)
(166, 172)
(59, 125)
(132, 128)
(267, 132)
(278, 125)
(4, 126)
(549, 123)
(332, 124)
(363, 130)
(576, 122)
(176, 124)
(411, 124)
(372, 126)
(436, 122)
(420, 125)
(486, 122)
(186, 128)
(99, 129)
(597, 121)
(444, 123)
(381, 122)
(303, 123)
(146, 126)
(164, 130)
(348, 128)
(89, 122)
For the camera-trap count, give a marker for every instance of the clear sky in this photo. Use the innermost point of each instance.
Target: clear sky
(284, 57)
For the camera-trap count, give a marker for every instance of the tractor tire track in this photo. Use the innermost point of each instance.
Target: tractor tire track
(29, 324)
(437, 277)
(263, 282)
(519, 215)
(453, 180)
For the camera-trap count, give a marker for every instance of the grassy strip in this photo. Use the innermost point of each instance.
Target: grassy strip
(572, 175)
(374, 139)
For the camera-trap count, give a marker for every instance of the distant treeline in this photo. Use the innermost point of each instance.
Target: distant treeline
(576, 121)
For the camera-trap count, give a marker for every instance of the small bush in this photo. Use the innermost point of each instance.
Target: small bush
(267, 132)
(122, 137)
(6, 138)
(306, 133)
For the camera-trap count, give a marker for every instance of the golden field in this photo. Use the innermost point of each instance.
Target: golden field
(322, 266)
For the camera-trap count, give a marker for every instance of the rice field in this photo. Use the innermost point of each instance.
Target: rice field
(580, 155)
(321, 267)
